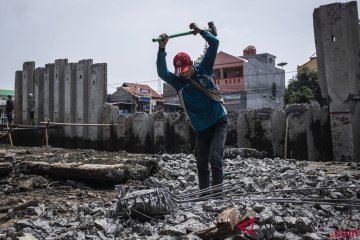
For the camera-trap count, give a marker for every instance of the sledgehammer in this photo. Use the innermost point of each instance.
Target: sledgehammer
(211, 29)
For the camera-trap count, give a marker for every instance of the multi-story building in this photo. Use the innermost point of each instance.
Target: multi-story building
(248, 81)
(132, 97)
(3, 97)
(311, 64)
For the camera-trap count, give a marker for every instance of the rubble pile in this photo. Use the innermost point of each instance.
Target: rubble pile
(40, 207)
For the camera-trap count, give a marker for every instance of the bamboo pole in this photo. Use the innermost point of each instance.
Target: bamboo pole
(9, 134)
(46, 134)
(286, 134)
(78, 124)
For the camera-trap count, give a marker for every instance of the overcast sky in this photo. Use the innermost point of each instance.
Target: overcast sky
(120, 32)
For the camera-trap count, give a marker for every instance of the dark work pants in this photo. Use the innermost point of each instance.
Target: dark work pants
(9, 116)
(210, 149)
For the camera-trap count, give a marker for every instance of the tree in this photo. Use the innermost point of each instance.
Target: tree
(273, 90)
(304, 87)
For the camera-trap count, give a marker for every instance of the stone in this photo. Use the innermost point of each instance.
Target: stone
(23, 224)
(173, 230)
(311, 236)
(284, 169)
(258, 208)
(190, 215)
(343, 178)
(87, 223)
(42, 225)
(192, 225)
(290, 222)
(258, 235)
(268, 233)
(279, 223)
(105, 225)
(266, 218)
(291, 236)
(27, 236)
(278, 236)
(304, 225)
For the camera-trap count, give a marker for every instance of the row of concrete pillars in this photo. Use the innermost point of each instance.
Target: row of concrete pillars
(62, 92)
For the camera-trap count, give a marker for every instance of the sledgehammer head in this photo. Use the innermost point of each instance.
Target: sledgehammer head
(212, 28)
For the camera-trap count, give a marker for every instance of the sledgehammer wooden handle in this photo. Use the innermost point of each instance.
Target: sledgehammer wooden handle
(211, 29)
(174, 36)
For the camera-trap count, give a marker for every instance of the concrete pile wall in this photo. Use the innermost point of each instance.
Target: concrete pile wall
(309, 135)
(63, 92)
(336, 28)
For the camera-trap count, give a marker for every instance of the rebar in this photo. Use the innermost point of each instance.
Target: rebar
(160, 201)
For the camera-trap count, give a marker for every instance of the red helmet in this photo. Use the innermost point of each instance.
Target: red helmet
(182, 62)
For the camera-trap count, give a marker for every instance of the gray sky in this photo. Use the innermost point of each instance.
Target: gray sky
(119, 32)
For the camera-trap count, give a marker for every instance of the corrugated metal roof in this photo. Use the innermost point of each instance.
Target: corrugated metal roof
(140, 90)
(4, 92)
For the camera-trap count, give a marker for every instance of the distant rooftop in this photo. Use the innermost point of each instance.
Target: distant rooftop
(4, 92)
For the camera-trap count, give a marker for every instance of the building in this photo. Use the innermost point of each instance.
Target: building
(264, 83)
(132, 97)
(3, 97)
(229, 75)
(311, 64)
(171, 100)
(248, 81)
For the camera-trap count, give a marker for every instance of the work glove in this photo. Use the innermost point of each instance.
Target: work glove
(162, 43)
(195, 27)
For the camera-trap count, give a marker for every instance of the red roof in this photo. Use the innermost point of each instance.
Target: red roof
(140, 90)
(223, 58)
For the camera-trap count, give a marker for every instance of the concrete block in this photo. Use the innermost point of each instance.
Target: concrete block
(141, 130)
(27, 88)
(261, 129)
(298, 123)
(184, 136)
(86, 85)
(59, 84)
(97, 92)
(159, 131)
(277, 119)
(342, 132)
(309, 133)
(232, 129)
(321, 132)
(105, 133)
(70, 98)
(18, 98)
(39, 95)
(49, 91)
(355, 119)
(123, 131)
(337, 39)
(243, 133)
(79, 103)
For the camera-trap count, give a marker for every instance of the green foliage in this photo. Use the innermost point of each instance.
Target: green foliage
(273, 90)
(303, 88)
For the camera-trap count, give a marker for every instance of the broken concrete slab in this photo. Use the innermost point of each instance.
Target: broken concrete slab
(90, 173)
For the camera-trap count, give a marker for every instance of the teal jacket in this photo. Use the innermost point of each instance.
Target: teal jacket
(202, 111)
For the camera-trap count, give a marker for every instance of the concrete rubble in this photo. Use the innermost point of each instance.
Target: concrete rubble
(37, 206)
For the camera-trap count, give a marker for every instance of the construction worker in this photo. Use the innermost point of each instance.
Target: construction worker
(9, 109)
(202, 101)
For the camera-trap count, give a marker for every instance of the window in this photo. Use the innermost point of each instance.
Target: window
(225, 74)
(238, 80)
